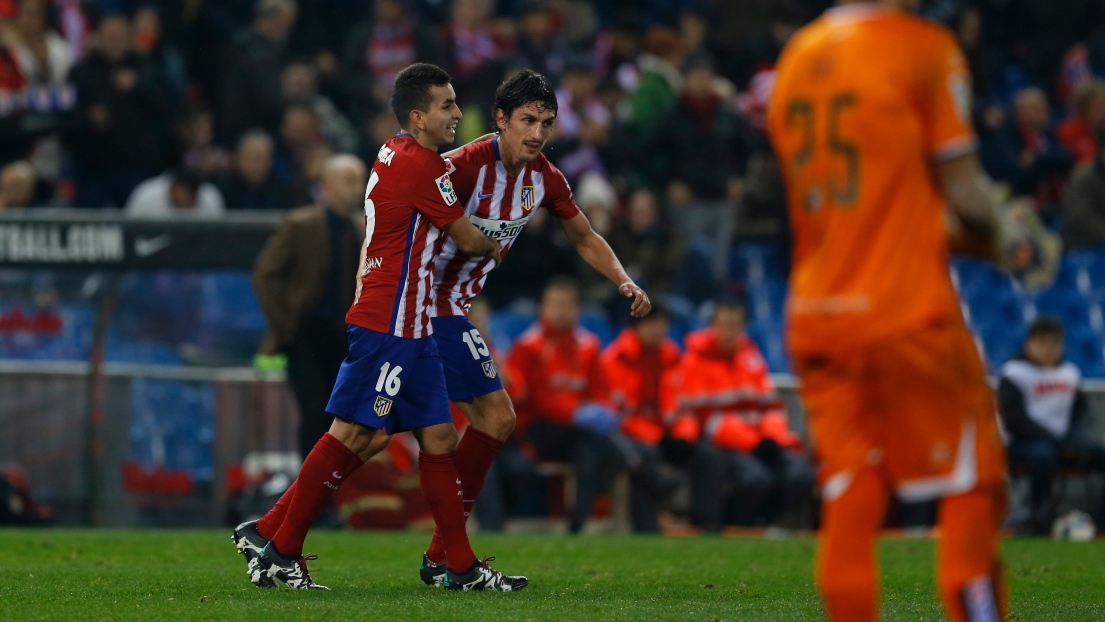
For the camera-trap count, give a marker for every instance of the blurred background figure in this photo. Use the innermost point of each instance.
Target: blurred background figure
(1043, 410)
(1084, 204)
(17, 185)
(178, 192)
(250, 183)
(305, 279)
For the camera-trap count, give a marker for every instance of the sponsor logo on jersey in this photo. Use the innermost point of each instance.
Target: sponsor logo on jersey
(528, 198)
(382, 407)
(385, 155)
(371, 263)
(445, 187)
(489, 369)
(499, 229)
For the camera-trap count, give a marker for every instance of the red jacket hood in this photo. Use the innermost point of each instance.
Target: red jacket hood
(704, 343)
(629, 347)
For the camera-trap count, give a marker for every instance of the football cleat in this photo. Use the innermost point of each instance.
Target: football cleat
(250, 543)
(292, 571)
(483, 577)
(431, 573)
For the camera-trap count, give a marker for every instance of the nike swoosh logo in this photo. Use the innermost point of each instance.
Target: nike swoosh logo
(335, 474)
(144, 247)
(481, 196)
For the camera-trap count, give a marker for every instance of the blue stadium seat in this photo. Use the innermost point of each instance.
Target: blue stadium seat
(769, 337)
(1086, 348)
(597, 322)
(507, 325)
(230, 302)
(766, 299)
(755, 262)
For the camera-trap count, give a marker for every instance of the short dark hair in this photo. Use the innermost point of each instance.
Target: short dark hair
(731, 305)
(186, 177)
(524, 88)
(659, 312)
(412, 90)
(1046, 327)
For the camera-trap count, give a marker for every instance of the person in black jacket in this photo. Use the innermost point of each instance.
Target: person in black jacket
(121, 130)
(1041, 407)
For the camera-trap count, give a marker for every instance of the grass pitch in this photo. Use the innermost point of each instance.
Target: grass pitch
(196, 575)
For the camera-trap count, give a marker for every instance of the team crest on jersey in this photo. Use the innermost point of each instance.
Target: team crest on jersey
(382, 407)
(445, 187)
(489, 369)
(528, 200)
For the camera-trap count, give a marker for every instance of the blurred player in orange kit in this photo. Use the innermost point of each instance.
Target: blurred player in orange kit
(870, 118)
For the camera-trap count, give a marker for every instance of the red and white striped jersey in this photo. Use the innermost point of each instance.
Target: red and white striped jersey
(499, 205)
(409, 199)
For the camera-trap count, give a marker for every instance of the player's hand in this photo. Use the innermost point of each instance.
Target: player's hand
(641, 304)
(496, 252)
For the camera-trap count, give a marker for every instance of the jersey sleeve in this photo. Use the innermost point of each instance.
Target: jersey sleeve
(463, 168)
(558, 194)
(946, 93)
(434, 195)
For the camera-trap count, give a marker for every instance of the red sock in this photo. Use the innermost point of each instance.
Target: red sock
(437, 474)
(475, 453)
(323, 471)
(270, 523)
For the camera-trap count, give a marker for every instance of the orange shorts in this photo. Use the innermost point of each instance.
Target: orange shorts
(916, 406)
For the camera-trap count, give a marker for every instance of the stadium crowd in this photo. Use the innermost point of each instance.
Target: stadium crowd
(167, 107)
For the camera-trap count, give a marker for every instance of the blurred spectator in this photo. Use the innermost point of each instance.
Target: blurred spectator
(251, 92)
(565, 415)
(693, 27)
(762, 48)
(634, 365)
(305, 279)
(121, 134)
(178, 192)
(537, 43)
(968, 30)
(250, 183)
(195, 133)
(723, 395)
(43, 56)
(1079, 133)
(308, 179)
(1027, 154)
(597, 199)
(379, 49)
(1084, 205)
(659, 81)
(150, 43)
(582, 122)
(1041, 407)
(539, 253)
(472, 43)
(17, 185)
(300, 85)
(300, 133)
(647, 248)
(616, 52)
(699, 149)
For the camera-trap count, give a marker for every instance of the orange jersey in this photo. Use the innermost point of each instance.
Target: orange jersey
(865, 100)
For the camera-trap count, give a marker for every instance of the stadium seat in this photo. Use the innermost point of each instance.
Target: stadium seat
(596, 321)
(1086, 349)
(230, 302)
(756, 262)
(507, 325)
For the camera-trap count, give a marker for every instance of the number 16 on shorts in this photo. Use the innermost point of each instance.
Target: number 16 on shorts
(390, 383)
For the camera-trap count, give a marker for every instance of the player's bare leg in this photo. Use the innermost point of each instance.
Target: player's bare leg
(491, 420)
(338, 454)
(847, 569)
(968, 570)
(437, 474)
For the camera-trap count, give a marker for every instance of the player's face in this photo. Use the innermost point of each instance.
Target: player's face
(526, 131)
(440, 121)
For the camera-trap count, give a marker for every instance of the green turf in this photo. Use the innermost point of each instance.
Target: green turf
(196, 575)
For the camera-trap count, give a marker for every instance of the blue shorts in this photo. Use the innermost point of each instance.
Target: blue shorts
(390, 383)
(469, 369)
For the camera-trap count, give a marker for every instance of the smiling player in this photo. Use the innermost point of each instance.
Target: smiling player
(501, 182)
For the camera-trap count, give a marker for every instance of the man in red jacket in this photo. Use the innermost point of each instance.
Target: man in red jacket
(565, 415)
(634, 366)
(723, 397)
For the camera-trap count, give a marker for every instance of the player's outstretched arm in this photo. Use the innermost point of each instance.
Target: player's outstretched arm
(471, 240)
(453, 152)
(975, 227)
(598, 254)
